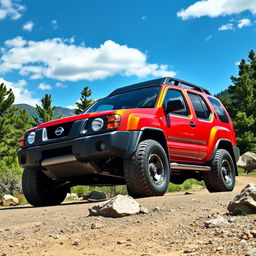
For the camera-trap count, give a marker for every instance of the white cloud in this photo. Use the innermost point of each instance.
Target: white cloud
(22, 95)
(44, 86)
(61, 85)
(15, 42)
(244, 23)
(55, 24)
(215, 8)
(28, 26)
(228, 26)
(11, 8)
(63, 60)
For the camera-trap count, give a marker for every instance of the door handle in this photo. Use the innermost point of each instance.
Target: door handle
(192, 124)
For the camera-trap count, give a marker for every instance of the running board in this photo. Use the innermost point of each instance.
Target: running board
(190, 167)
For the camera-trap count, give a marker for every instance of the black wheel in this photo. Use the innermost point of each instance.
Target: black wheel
(40, 190)
(147, 173)
(222, 175)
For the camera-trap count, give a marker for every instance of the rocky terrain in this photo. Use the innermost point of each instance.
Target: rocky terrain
(176, 224)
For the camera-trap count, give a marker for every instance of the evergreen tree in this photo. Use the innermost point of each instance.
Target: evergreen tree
(83, 102)
(45, 111)
(13, 123)
(241, 103)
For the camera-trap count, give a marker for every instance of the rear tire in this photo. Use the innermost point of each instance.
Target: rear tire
(147, 173)
(40, 190)
(222, 175)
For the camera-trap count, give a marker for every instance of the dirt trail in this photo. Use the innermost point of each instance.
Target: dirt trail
(174, 226)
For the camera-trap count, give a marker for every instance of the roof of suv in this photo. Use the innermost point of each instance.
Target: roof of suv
(159, 81)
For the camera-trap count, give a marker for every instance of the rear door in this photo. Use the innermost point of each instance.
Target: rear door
(204, 122)
(181, 130)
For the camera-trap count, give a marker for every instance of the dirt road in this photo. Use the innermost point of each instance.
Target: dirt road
(174, 226)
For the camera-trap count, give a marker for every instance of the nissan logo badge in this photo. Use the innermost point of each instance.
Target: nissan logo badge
(59, 131)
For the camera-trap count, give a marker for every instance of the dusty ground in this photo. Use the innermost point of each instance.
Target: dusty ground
(174, 226)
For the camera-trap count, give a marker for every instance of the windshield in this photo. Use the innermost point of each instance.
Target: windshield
(141, 98)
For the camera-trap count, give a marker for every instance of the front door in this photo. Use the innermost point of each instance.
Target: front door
(181, 130)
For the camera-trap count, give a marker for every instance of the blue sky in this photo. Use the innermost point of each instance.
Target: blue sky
(60, 46)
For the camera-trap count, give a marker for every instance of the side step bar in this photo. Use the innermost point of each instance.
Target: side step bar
(190, 167)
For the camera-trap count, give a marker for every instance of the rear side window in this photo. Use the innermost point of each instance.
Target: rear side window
(201, 109)
(219, 110)
(176, 95)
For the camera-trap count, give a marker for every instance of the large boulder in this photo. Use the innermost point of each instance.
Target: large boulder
(245, 202)
(247, 161)
(8, 200)
(118, 206)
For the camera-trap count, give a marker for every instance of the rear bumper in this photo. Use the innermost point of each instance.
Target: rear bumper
(79, 153)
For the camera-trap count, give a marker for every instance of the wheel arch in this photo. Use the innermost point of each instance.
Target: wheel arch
(157, 135)
(227, 145)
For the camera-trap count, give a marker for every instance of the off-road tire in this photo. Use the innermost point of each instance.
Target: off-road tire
(138, 170)
(222, 175)
(40, 190)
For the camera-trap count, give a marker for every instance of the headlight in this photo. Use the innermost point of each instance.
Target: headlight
(31, 138)
(97, 124)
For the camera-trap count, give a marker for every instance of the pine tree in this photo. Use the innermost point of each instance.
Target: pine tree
(83, 102)
(241, 103)
(45, 111)
(13, 123)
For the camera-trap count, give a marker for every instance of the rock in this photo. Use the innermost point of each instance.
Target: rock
(244, 203)
(76, 242)
(120, 241)
(118, 206)
(95, 195)
(218, 222)
(55, 236)
(189, 250)
(247, 161)
(157, 209)
(9, 200)
(96, 225)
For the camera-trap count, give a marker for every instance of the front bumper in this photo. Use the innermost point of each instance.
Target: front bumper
(75, 156)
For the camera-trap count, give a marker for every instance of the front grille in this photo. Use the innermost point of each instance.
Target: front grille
(52, 130)
(56, 152)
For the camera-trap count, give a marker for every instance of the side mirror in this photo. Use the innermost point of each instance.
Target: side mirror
(174, 105)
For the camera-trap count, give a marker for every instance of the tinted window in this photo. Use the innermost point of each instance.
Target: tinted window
(172, 95)
(219, 110)
(201, 109)
(141, 98)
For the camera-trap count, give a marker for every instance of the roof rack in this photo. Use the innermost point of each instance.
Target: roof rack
(159, 81)
(178, 82)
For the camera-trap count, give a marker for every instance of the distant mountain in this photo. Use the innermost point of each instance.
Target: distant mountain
(222, 93)
(64, 112)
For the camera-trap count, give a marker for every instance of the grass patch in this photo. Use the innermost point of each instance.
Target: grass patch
(109, 190)
(186, 185)
(241, 172)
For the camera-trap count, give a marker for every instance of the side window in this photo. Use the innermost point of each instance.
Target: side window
(201, 109)
(172, 95)
(219, 110)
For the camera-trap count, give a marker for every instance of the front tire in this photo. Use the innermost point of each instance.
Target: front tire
(222, 175)
(147, 173)
(40, 190)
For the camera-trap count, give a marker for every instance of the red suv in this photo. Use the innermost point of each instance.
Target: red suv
(143, 135)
